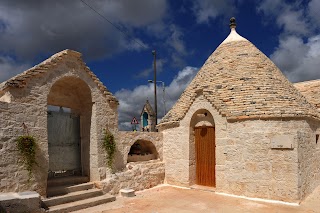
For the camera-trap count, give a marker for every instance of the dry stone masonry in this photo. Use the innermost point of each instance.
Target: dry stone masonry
(310, 89)
(64, 82)
(266, 130)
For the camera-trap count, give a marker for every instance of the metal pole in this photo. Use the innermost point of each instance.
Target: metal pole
(164, 98)
(155, 85)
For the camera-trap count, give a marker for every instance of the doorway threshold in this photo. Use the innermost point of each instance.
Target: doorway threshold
(203, 188)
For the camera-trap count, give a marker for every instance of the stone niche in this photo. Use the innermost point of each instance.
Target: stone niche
(142, 150)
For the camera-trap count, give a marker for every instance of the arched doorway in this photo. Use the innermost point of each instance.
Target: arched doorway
(145, 118)
(205, 155)
(203, 146)
(69, 122)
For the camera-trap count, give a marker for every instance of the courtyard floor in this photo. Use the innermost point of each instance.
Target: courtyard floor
(168, 199)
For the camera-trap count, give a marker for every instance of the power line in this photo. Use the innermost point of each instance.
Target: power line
(114, 25)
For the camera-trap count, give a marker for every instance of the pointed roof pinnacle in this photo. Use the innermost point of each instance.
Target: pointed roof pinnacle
(233, 24)
(233, 36)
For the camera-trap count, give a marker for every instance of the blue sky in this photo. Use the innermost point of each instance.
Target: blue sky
(183, 32)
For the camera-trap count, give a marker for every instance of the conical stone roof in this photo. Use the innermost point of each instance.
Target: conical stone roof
(242, 83)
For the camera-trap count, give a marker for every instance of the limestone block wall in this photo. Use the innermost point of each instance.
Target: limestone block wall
(126, 139)
(245, 162)
(309, 157)
(28, 104)
(13, 176)
(179, 147)
(247, 165)
(310, 90)
(20, 202)
(136, 175)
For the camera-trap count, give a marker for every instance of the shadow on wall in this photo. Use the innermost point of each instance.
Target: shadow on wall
(142, 150)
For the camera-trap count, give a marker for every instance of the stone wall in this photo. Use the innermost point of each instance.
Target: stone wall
(245, 163)
(13, 176)
(178, 146)
(20, 202)
(136, 175)
(127, 139)
(27, 103)
(124, 140)
(309, 157)
(311, 90)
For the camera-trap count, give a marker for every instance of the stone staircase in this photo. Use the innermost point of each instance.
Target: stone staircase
(66, 194)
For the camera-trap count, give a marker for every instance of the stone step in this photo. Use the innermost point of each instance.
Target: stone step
(82, 204)
(62, 190)
(71, 197)
(70, 180)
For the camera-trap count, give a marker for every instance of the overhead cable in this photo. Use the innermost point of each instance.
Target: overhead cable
(114, 25)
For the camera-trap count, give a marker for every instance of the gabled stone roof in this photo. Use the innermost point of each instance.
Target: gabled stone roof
(242, 83)
(148, 108)
(21, 80)
(310, 90)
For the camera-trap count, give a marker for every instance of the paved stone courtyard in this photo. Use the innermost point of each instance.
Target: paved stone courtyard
(167, 199)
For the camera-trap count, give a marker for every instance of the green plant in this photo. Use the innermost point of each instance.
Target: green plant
(109, 145)
(27, 149)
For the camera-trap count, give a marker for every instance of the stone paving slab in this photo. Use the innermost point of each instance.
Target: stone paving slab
(168, 199)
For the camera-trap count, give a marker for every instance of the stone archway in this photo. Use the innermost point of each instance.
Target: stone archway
(69, 131)
(202, 149)
(142, 150)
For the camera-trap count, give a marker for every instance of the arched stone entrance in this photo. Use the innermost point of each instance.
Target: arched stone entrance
(202, 149)
(69, 122)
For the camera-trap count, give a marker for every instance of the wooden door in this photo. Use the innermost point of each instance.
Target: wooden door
(205, 156)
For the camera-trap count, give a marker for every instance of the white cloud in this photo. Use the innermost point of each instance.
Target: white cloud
(29, 28)
(299, 45)
(290, 17)
(135, 13)
(175, 40)
(132, 101)
(313, 9)
(293, 22)
(205, 10)
(298, 60)
(147, 72)
(10, 68)
(176, 43)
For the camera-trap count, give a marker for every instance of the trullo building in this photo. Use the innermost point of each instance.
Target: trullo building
(242, 127)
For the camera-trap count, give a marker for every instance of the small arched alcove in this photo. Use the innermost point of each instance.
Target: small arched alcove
(69, 122)
(202, 149)
(142, 150)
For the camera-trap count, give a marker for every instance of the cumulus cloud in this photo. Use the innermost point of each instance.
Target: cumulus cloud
(290, 17)
(299, 60)
(176, 43)
(10, 68)
(29, 28)
(132, 101)
(313, 12)
(297, 54)
(176, 40)
(205, 10)
(147, 72)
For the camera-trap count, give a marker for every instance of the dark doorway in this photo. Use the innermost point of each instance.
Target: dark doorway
(64, 145)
